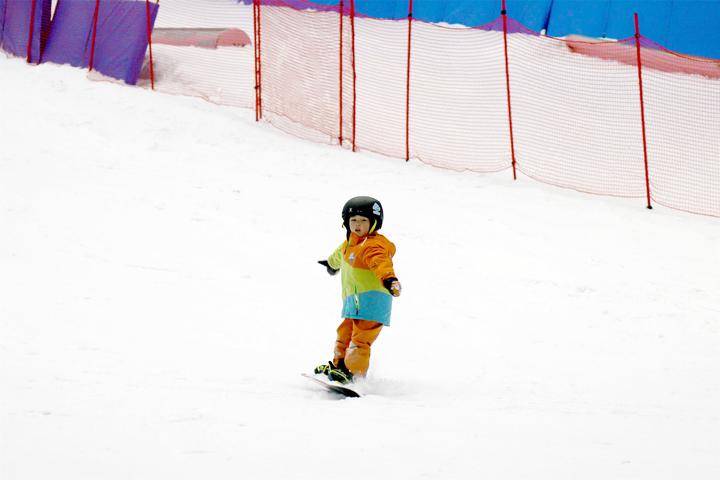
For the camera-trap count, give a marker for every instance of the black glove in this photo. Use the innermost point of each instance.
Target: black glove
(393, 286)
(330, 270)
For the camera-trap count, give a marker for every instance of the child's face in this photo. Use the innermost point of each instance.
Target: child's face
(360, 226)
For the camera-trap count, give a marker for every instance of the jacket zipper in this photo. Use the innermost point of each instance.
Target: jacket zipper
(357, 302)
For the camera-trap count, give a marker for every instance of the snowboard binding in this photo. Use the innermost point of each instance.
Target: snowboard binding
(336, 373)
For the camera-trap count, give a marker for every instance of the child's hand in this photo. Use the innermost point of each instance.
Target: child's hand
(393, 286)
(330, 270)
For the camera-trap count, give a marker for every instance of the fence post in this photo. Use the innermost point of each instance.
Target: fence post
(503, 12)
(257, 32)
(149, 38)
(259, 59)
(340, 68)
(407, 95)
(255, 58)
(260, 98)
(94, 35)
(354, 114)
(31, 31)
(642, 110)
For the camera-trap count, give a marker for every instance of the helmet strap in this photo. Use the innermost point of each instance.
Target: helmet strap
(373, 227)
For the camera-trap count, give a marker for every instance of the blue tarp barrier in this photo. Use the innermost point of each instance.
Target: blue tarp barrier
(70, 33)
(686, 26)
(121, 39)
(533, 14)
(15, 26)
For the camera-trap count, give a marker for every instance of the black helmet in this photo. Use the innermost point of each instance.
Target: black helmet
(366, 207)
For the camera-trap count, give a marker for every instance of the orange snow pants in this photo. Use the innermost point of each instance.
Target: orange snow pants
(354, 338)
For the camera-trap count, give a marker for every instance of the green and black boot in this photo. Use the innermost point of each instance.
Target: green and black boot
(324, 368)
(340, 373)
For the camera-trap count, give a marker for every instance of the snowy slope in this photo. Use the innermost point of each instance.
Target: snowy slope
(159, 299)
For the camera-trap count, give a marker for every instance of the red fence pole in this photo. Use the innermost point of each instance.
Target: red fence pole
(340, 106)
(503, 12)
(149, 38)
(407, 95)
(354, 114)
(259, 57)
(31, 31)
(94, 35)
(642, 110)
(255, 57)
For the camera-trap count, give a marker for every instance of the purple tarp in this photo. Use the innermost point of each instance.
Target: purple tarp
(121, 39)
(15, 26)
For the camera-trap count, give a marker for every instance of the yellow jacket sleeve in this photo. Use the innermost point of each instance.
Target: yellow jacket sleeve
(335, 260)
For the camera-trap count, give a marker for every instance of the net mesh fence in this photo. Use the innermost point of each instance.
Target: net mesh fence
(222, 75)
(577, 119)
(301, 84)
(380, 85)
(441, 94)
(683, 131)
(458, 106)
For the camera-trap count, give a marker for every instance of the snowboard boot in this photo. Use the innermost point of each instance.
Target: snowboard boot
(324, 368)
(340, 373)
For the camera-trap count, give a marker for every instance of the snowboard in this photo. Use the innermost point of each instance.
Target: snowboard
(333, 386)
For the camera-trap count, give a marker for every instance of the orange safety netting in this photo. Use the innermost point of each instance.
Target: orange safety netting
(448, 95)
(683, 131)
(577, 119)
(220, 74)
(300, 70)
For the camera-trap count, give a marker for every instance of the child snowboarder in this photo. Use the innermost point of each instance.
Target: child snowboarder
(368, 284)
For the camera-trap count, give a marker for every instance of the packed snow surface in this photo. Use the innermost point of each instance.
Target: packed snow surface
(160, 298)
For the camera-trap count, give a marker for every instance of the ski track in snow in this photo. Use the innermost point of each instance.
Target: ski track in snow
(160, 299)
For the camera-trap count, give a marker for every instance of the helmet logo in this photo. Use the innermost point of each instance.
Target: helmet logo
(376, 209)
